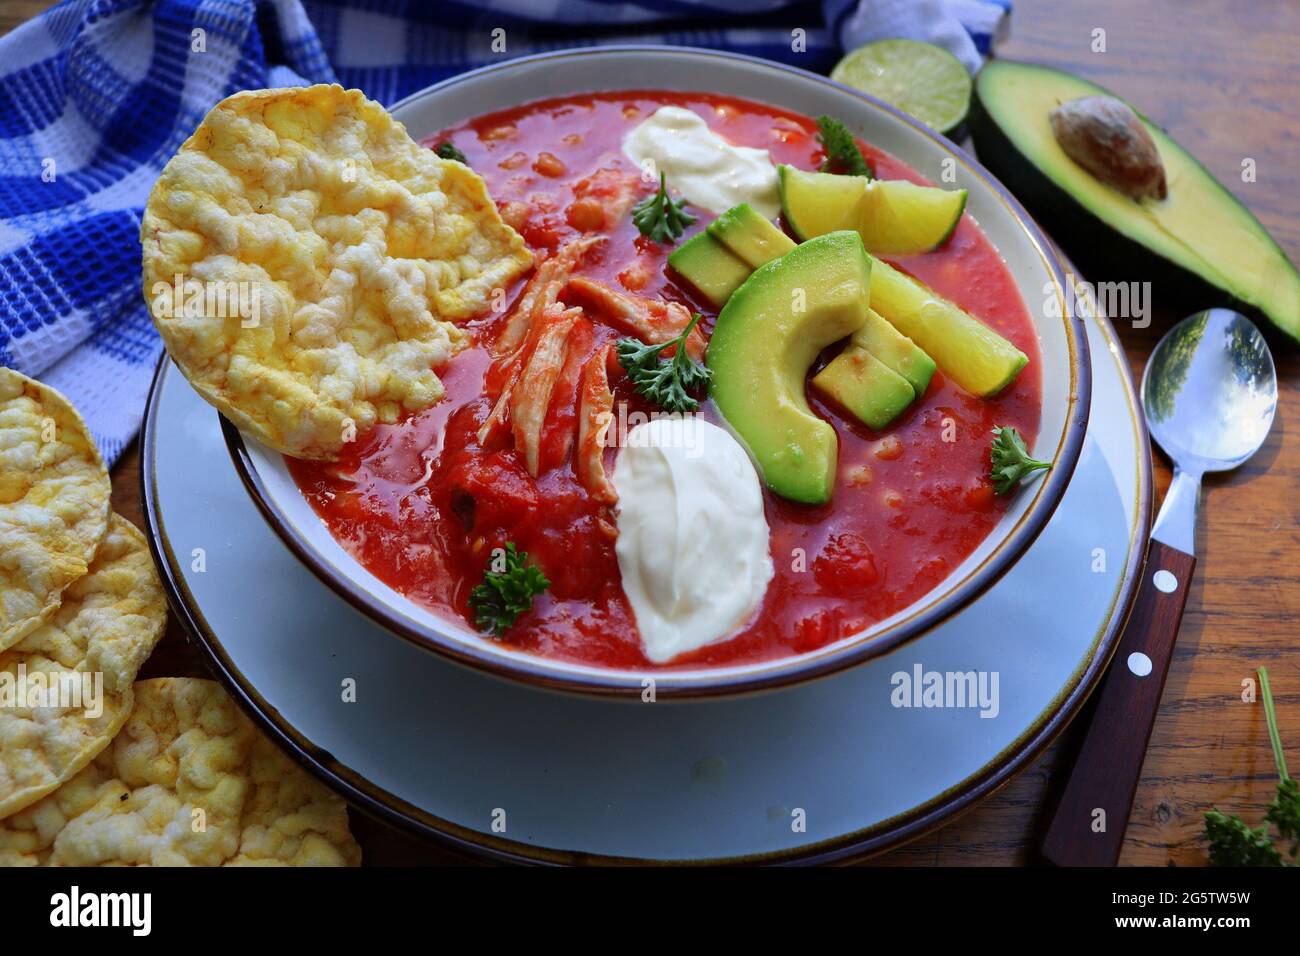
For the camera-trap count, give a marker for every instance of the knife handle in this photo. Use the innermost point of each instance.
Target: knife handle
(1087, 827)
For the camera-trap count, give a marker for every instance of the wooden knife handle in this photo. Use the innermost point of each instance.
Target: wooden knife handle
(1087, 827)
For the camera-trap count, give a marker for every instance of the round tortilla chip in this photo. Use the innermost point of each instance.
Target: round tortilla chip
(54, 502)
(188, 782)
(302, 258)
(86, 655)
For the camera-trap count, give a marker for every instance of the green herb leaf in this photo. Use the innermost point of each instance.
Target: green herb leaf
(1010, 460)
(447, 150)
(666, 383)
(1284, 811)
(507, 593)
(1232, 842)
(842, 153)
(661, 218)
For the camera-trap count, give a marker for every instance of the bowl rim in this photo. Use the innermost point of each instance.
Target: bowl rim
(920, 617)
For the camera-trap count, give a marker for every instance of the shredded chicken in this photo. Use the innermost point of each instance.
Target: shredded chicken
(530, 396)
(568, 386)
(520, 334)
(650, 320)
(530, 305)
(495, 424)
(595, 414)
(538, 351)
(542, 291)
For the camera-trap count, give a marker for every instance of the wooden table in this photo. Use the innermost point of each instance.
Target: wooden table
(1220, 78)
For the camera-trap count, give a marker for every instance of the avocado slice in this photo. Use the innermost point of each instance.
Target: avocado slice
(896, 350)
(710, 268)
(970, 353)
(1199, 244)
(766, 338)
(865, 386)
(750, 236)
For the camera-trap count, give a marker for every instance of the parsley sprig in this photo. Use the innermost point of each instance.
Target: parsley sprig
(1232, 842)
(661, 218)
(505, 594)
(666, 383)
(447, 150)
(1010, 460)
(842, 153)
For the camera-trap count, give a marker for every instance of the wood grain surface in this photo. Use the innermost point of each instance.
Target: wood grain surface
(1220, 77)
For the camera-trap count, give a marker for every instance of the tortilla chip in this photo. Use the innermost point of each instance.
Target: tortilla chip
(303, 257)
(92, 648)
(54, 502)
(188, 782)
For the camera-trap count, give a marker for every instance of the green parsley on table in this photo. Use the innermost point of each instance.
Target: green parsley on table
(842, 153)
(507, 593)
(661, 218)
(1010, 460)
(1232, 842)
(447, 150)
(666, 383)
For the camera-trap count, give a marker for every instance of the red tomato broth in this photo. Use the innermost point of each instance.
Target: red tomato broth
(397, 499)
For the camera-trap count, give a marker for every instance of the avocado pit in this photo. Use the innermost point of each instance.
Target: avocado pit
(1104, 136)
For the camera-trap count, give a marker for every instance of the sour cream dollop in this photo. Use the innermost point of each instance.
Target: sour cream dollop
(692, 537)
(709, 171)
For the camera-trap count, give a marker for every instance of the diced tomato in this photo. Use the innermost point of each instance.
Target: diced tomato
(635, 276)
(545, 232)
(845, 566)
(889, 448)
(548, 164)
(503, 131)
(497, 490)
(585, 215)
(515, 214)
(980, 496)
(816, 630)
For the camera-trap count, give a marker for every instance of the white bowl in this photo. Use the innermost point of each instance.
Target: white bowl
(1066, 373)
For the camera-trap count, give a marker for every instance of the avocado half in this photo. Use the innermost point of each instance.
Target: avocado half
(1199, 245)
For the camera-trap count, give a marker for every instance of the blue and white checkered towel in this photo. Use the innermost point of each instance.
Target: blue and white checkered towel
(96, 96)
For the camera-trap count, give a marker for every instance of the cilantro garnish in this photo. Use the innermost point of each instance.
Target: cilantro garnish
(1232, 842)
(661, 218)
(842, 153)
(507, 593)
(1010, 460)
(666, 383)
(447, 150)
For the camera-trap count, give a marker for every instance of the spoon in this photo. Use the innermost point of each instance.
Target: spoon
(1209, 393)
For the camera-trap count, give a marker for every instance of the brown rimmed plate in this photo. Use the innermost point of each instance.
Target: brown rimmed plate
(438, 749)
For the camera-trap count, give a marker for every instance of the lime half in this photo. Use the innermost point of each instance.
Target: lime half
(921, 79)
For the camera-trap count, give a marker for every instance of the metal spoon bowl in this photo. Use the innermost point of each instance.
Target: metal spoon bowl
(1210, 394)
(1210, 391)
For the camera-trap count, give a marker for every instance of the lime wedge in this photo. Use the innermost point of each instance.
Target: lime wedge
(921, 79)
